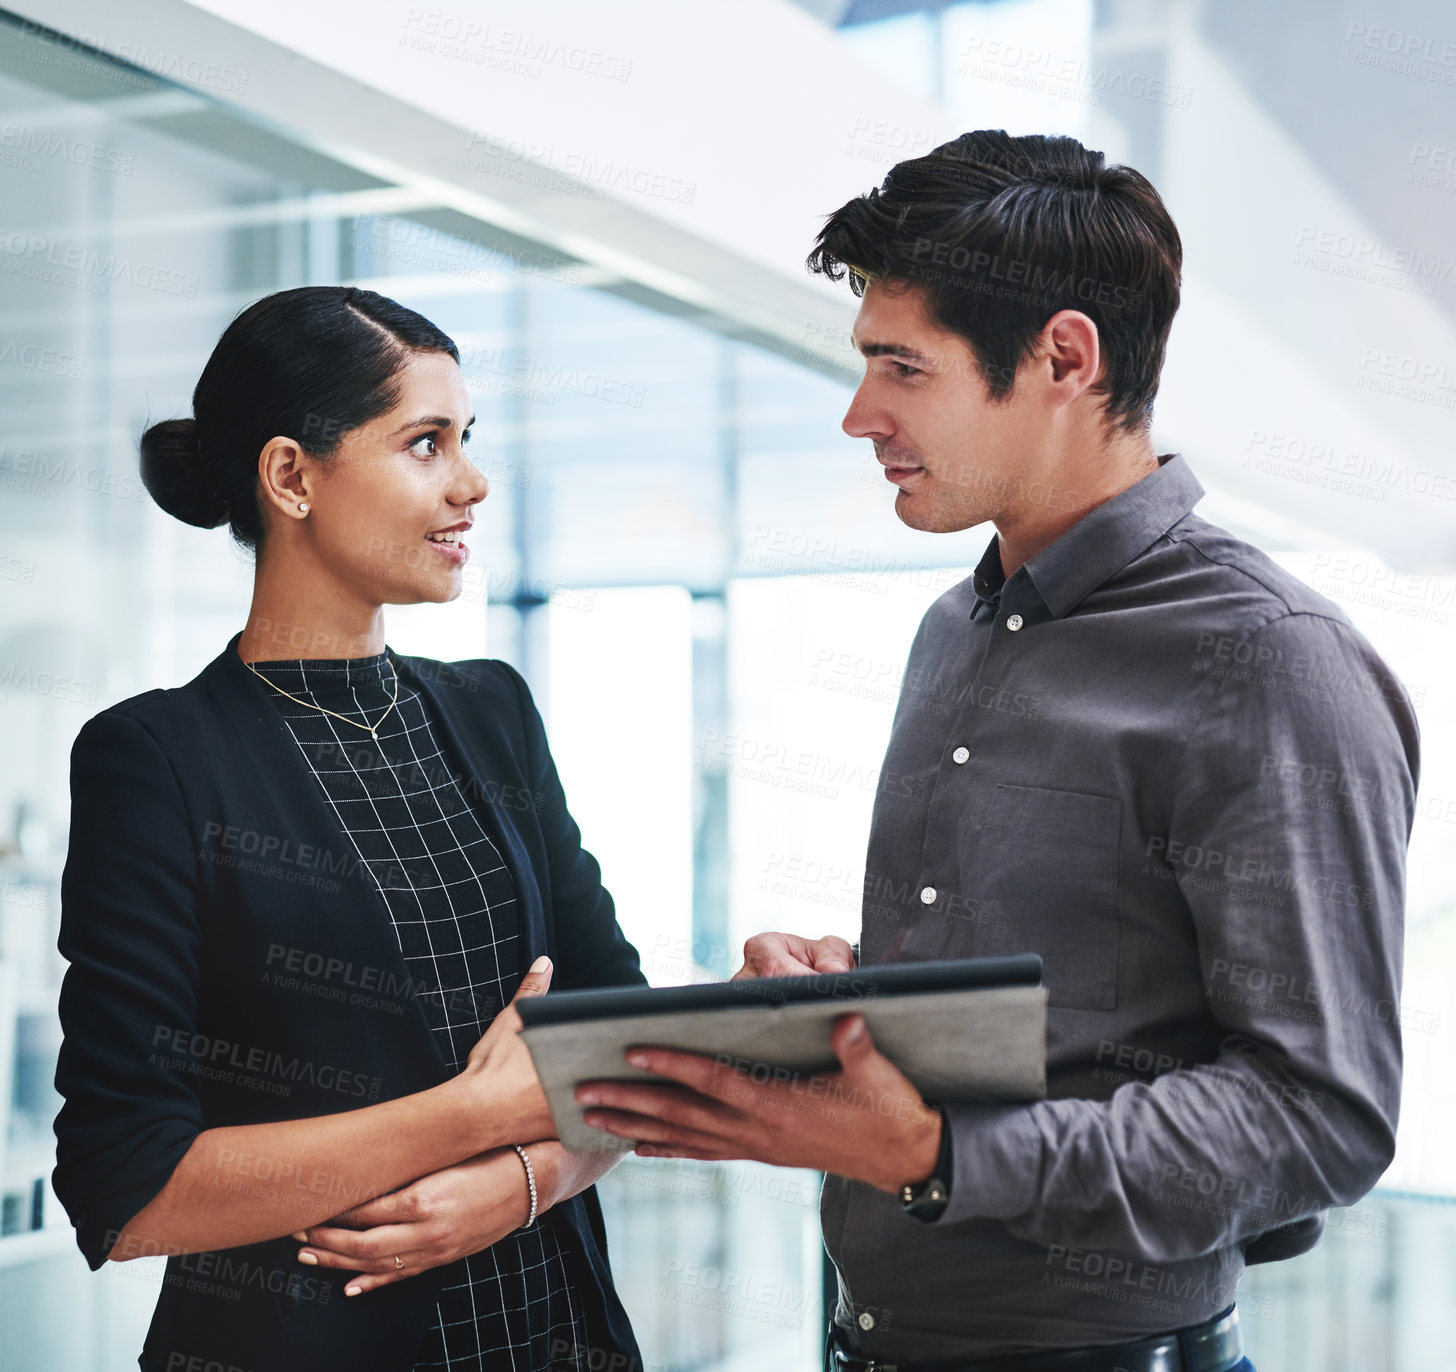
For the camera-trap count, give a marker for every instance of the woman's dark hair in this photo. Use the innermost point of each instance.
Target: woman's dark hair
(1002, 233)
(307, 364)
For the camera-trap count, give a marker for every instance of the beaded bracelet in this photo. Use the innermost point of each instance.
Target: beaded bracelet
(530, 1182)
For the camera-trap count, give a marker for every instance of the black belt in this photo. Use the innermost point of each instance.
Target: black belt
(1216, 1345)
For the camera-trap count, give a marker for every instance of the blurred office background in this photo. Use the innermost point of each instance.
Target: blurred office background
(700, 575)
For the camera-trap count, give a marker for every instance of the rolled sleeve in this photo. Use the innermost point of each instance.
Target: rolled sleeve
(995, 1161)
(128, 1000)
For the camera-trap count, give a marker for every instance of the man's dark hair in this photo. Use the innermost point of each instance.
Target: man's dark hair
(1003, 232)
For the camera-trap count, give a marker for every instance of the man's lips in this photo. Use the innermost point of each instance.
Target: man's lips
(900, 473)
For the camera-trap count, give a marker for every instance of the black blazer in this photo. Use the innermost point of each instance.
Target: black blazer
(231, 963)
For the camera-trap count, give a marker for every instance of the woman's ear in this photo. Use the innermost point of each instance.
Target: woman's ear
(284, 479)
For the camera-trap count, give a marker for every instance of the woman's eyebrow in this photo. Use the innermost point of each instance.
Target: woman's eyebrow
(433, 421)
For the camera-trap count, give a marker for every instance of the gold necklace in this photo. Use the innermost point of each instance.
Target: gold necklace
(371, 729)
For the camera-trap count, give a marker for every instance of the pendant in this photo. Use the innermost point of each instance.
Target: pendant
(373, 734)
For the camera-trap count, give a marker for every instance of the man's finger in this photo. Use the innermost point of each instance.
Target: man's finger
(650, 1130)
(850, 1039)
(864, 1065)
(676, 1105)
(655, 1150)
(832, 954)
(707, 1076)
(774, 955)
(774, 963)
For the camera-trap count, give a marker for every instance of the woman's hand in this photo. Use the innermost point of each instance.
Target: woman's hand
(501, 1072)
(431, 1222)
(448, 1214)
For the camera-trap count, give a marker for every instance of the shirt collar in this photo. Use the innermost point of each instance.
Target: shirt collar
(1102, 542)
(989, 577)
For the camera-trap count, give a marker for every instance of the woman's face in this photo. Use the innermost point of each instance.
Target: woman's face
(390, 508)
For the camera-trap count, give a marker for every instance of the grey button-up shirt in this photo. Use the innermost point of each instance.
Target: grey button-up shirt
(1182, 777)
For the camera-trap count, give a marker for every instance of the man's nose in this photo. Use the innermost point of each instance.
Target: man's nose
(862, 420)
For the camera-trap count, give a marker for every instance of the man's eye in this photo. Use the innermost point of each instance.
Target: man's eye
(902, 370)
(423, 438)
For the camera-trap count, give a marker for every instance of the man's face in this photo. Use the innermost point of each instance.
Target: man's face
(957, 458)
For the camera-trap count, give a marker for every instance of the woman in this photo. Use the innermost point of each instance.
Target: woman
(299, 892)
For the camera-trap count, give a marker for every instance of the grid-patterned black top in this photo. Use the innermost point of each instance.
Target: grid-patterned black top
(452, 900)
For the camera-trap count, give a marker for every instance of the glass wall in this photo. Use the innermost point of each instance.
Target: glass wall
(650, 479)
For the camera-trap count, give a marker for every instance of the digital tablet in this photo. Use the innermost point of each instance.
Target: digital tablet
(960, 1028)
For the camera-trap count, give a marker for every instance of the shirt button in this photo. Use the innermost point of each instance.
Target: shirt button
(961, 755)
(866, 1320)
(1014, 623)
(927, 896)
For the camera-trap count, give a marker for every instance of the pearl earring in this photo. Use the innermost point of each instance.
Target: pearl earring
(303, 507)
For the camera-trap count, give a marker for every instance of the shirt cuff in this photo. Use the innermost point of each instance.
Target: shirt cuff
(944, 1160)
(995, 1161)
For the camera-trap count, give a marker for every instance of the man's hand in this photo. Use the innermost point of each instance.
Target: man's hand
(789, 955)
(866, 1121)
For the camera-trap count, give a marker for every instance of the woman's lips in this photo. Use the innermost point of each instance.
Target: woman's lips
(457, 554)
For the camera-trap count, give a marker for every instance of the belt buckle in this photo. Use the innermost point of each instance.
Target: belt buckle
(845, 1361)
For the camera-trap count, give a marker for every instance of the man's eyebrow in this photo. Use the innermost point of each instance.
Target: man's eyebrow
(891, 350)
(433, 421)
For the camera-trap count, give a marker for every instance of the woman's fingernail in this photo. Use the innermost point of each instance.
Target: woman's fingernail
(300, 1235)
(308, 1258)
(351, 1290)
(588, 1097)
(541, 963)
(637, 1059)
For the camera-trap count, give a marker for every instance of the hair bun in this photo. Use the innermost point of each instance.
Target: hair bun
(173, 471)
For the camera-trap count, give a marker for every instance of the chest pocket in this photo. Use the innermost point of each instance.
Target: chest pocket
(1043, 867)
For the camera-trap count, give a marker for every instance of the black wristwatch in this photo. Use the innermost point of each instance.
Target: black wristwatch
(927, 1200)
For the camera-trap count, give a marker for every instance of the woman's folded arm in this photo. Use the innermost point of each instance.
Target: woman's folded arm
(137, 1170)
(245, 1183)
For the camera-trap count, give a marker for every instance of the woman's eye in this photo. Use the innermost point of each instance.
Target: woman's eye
(465, 437)
(427, 452)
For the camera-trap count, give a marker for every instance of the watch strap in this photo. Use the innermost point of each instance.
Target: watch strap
(927, 1200)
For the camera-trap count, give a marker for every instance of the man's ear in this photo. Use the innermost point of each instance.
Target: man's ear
(1070, 347)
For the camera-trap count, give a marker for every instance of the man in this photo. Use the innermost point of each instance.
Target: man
(1130, 743)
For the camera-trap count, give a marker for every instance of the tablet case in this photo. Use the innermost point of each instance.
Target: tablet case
(961, 1028)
